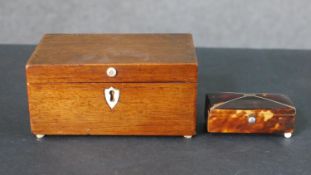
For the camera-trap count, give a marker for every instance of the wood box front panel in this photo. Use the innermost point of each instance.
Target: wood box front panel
(143, 109)
(236, 121)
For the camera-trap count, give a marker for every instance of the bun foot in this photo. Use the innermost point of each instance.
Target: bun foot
(188, 137)
(39, 136)
(288, 135)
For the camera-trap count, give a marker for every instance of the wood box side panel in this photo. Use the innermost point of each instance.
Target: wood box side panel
(236, 121)
(143, 109)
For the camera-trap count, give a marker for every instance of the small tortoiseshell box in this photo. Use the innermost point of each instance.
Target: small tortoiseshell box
(250, 113)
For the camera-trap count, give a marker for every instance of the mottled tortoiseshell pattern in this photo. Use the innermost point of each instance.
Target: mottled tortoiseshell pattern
(229, 113)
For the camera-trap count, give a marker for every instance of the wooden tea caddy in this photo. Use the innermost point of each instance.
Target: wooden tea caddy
(250, 113)
(113, 84)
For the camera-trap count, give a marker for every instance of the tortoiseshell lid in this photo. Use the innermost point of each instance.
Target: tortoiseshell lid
(278, 103)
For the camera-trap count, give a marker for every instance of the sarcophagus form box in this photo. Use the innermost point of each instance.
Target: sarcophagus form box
(250, 113)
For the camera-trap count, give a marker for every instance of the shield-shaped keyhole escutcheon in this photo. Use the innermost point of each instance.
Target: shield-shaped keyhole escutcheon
(112, 96)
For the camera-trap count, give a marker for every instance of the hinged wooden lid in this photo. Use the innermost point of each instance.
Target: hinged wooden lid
(135, 57)
(278, 103)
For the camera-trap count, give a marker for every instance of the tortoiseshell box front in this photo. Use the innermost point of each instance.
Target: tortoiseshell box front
(250, 113)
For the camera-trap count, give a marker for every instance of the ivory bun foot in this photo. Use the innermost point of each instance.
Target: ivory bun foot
(39, 136)
(288, 135)
(188, 137)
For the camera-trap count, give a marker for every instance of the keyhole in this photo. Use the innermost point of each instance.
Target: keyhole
(111, 95)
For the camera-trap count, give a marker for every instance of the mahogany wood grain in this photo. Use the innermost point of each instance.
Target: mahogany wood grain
(125, 73)
(156, 76)
(137, 58)
(143, 109)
